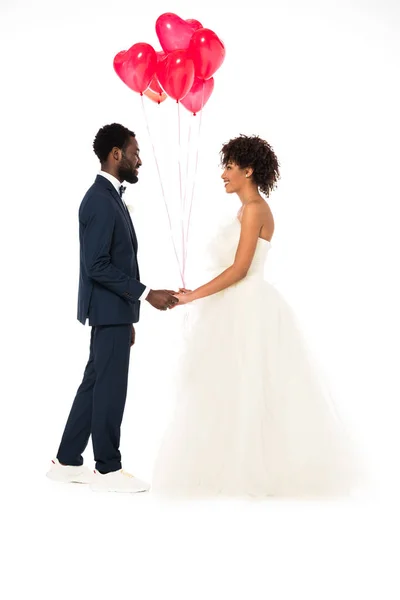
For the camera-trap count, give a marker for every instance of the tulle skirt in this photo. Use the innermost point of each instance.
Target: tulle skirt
(253, 416)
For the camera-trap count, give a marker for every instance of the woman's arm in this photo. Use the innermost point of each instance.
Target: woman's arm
(250, 230)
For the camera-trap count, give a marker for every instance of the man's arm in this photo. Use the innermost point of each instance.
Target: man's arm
(99, 227)
(145, 293)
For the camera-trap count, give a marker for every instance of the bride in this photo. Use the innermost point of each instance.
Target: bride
(252, 416)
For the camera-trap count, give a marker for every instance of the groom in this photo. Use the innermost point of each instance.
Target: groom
(110, 292)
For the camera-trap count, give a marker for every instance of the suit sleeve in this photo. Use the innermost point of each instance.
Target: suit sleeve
(99, 226)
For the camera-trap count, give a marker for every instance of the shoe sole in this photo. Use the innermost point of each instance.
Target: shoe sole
(100, 489)
(57, 479)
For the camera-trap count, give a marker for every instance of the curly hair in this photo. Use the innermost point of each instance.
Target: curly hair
(109, 137)
(252, 151)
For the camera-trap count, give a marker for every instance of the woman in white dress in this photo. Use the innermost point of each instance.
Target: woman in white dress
(252, 416)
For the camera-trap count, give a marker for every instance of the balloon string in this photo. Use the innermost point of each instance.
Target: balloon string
(195, 171)
(187, 162)
(162, 190)
(181, 194)
(187, 185)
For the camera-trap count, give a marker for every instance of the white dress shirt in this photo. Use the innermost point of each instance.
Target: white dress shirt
(117, 184)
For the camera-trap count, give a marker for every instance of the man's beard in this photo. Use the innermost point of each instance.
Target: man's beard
(126, 174)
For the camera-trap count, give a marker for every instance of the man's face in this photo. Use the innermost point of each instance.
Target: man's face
(130, 162)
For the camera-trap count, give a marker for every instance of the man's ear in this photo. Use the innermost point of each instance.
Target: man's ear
(116, 153)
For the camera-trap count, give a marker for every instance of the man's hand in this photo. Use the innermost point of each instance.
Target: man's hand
(162, 299)
(181, 296)
(133, 335)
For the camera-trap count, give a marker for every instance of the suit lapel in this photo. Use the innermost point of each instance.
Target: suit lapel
(131, 227)
(122, 208)
(126, 216)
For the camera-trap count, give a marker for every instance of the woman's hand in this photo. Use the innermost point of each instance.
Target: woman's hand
(184, 296)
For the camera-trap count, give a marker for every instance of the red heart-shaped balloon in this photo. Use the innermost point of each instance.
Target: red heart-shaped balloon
(136, 66)
(195, 23)
(119, 61)
(173, 32)
(207, 52)
(154, 83)
(198, 95)
(175, 73)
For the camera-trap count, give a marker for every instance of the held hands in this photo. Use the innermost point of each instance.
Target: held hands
(184, 296)
(162, 299)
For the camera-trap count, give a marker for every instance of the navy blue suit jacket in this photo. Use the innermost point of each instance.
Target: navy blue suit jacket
(109, 279)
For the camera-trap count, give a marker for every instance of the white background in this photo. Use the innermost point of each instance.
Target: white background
(319, 80)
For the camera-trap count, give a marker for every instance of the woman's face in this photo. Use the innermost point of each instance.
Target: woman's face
(234, 177)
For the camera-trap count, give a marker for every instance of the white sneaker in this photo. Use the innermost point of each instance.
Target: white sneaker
(117, 481)
(68, 473)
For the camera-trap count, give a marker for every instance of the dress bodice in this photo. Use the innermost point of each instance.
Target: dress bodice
(222, 249)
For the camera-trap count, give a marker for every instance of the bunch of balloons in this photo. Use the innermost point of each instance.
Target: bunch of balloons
(182, 70)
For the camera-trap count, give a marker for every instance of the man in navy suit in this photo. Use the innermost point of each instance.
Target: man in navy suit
(110, 292)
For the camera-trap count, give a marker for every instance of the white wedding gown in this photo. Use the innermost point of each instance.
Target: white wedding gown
(252, 416)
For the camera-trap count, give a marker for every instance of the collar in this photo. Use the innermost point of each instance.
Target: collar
(116, 183)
